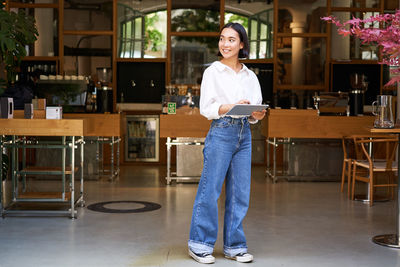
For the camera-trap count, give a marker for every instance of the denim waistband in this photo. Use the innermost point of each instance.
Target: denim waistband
(231, 120)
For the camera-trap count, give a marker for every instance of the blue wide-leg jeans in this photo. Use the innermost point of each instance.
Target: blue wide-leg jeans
(227, 154)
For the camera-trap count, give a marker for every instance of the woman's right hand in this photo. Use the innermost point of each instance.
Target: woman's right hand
(225, 108)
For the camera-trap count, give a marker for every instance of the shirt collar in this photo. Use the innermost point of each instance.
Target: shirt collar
(221, 67)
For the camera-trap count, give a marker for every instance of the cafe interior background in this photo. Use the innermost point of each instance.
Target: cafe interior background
(135, 57)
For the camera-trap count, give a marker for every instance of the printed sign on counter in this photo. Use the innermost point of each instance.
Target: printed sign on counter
(53, 113)
(171, 108)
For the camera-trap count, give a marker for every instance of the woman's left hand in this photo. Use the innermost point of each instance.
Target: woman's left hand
(258, 115)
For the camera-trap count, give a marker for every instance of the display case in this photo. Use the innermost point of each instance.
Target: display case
(142, 138)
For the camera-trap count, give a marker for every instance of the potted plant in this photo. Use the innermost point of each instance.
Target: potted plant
(16, 31)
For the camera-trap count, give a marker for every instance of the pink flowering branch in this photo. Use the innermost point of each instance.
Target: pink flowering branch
(388, 38)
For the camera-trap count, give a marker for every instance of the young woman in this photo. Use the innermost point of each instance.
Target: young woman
(227, 150)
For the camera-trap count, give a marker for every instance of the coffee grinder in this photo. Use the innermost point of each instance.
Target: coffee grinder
(104, 92)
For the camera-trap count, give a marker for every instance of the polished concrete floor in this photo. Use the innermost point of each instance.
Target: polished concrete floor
(288, 224)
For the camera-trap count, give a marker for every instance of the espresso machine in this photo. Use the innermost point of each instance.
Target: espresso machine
(104, 91)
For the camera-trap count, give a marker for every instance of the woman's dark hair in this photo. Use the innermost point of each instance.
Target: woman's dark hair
(244, 52)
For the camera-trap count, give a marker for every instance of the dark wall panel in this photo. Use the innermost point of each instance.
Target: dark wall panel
(140, 82)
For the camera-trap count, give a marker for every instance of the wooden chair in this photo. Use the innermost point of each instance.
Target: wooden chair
(374, 165)
(347, 143)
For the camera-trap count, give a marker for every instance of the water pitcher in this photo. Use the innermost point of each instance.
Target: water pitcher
(383, 111)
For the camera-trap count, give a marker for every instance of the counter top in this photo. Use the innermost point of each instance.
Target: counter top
(186, 123)
(395, 130)
(42, 127)
(96, 124)
(285, 123)
(139, 107)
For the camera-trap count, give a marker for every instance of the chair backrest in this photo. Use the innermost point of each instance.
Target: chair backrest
(358, 150)
(348, 147)
(390, 148)
(344, 146)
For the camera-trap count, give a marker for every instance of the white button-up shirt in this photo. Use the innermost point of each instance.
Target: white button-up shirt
(222, 85)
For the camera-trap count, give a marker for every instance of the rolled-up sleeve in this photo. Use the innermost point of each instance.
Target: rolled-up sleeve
(209, 106)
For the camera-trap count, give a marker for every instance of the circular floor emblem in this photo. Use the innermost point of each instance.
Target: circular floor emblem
(147, 206)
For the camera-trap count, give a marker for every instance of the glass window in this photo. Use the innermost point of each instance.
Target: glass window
(194, 20)
(190, 56)
(304, 18)
(356, 3)
(142, 29)
(195, 16)
(303, 62)
(349, 47)
(260, 38)
(257, 18)
(47, 26)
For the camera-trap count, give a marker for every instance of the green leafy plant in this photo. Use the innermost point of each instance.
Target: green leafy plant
(239, 19)
(16, 31)
(201, 20)
(153, 37)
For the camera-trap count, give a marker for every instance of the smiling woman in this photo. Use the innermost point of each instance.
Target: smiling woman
(227, 150)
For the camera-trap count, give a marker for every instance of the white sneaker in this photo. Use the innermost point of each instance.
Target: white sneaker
(241, 257)
(202, 257)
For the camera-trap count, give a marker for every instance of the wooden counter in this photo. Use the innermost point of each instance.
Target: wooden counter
(286, 123)
(98, 124)
(184, 124)
(42, 127)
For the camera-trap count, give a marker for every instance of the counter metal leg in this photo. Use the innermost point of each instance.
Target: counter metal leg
(63, 167)
(13, 168)
(1, 177)
(98, 155)
(392, 240)
(272, 173)
(168, 160)
(72, 182)
(24, 163)
(82, 202)
(118, 144)
(112, 158)
(274, 159)
(266, 140)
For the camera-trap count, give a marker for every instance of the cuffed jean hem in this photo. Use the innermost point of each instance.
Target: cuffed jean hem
(231, 252)
(198, 247)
